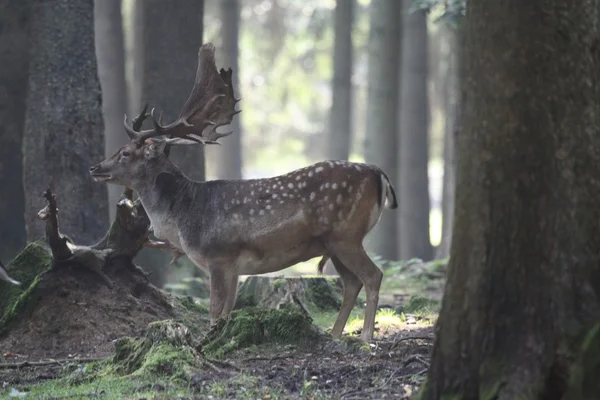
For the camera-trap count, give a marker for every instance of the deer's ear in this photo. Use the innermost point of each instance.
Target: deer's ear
(154, 149)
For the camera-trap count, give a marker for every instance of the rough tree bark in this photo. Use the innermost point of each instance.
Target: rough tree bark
(171, 38)
(14, 50)
(523, 289)
(413, 143)
(229, 155)
(63, 125)
(453, 114)
(382, 106)
(340, 115)
(108, 27)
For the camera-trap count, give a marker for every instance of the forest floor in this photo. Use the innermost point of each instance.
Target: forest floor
(44, 357)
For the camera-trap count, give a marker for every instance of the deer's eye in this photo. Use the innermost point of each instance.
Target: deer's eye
(125, 153)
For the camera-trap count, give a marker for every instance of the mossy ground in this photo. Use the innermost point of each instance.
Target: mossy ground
(257, 354)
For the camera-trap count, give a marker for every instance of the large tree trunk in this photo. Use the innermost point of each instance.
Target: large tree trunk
(523, 286)
(453, 114)
(229, 155)
(111, 71)
(171, 39)
(14, 48)
(382, 106)
(413, 224)
(64, 133)
(340, 115)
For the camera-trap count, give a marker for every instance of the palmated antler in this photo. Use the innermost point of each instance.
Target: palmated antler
(210, 105)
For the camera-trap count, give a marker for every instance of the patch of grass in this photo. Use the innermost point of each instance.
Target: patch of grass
(326, 319)
(385, 318)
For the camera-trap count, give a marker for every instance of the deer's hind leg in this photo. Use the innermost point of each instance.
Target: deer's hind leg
(354, 257)
(352, 286)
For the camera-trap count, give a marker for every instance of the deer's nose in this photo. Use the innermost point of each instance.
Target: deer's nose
(94, 167)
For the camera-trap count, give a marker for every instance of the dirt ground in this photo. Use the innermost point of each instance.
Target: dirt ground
(393, 369)
(77, 314)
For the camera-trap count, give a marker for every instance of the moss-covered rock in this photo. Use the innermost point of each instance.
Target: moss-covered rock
(25, 268)
(311, 292)
(165, 350)
(254, 326)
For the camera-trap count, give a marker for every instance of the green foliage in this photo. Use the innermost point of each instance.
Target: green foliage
(25, 268)
(419, 304)
(254, 326)
(451, 12)
(583, 379)
(322, 294)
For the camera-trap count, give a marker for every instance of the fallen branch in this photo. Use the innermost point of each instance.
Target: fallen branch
(48, 362)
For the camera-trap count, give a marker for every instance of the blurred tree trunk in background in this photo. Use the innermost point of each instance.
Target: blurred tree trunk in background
(454, 96)
(340, 115)
(172, 36)
(521, 309)
(14, 51)
(111, 72)
(134, 61)
(64, 131)
(382, 106)
(229, 155)
(413, 193)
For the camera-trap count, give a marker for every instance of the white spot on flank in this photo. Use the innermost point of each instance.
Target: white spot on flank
(275, 195)
(358, 168)
(331, 206)
(310, 174)
(327, 185)
(344, 184)
(339, 199)
(268, 207)
(318, 169)
(298, 177)
(274, 186)
(290, 185)
(262, 212)
(252, 193)
(334, 186)
(312, 196)
(330, 163)
(251, 211)
(233, 201)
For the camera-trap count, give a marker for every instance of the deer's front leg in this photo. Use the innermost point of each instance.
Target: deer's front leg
(221, 290)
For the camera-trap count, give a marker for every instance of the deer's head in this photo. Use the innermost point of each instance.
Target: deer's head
(210, 105)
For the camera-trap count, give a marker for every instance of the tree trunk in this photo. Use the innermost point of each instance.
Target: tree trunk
(382, 106)
(14, 48)
(523, 287)
(453, 106)
(63, 126)
(111, 71)
(229, 155)
(340, 115)
(413, 224)
(171, 39)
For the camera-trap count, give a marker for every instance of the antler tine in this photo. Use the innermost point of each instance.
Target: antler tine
(211, 104)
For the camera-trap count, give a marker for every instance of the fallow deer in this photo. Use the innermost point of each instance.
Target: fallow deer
(254, 226)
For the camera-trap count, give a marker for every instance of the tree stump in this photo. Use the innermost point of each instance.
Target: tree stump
(310, 293)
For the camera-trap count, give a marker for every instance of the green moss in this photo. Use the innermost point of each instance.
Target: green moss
(419, 304)
(165, 350)
(254, 326)
(188, 303)
(25, 268)
(583, 380)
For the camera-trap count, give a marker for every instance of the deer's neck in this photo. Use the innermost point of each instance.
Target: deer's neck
(165, 197)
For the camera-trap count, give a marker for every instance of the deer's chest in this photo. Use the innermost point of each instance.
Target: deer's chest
(165, 228)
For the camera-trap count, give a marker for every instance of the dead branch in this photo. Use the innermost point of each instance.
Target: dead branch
(58, 243)
(165, 245)
(24, 364)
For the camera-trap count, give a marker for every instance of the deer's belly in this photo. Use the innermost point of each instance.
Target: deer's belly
(164, 230)
(252, 262)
